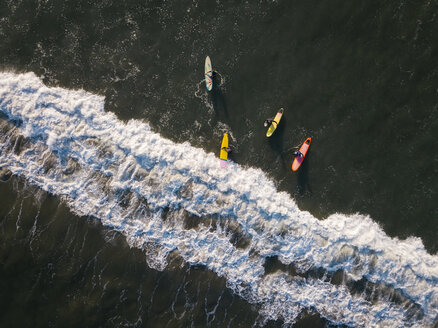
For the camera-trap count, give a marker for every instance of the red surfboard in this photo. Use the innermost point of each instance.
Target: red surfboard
(303, 150)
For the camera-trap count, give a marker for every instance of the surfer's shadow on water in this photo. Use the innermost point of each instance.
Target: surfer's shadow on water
(276, 142)
(303, 184)
(216, 95)
(214, 100)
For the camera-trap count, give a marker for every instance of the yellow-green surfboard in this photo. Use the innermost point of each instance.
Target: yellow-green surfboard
(275, 123)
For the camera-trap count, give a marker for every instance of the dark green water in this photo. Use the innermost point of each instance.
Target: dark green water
(360, 78)
(59, 270)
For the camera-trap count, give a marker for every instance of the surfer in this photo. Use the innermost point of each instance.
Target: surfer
(297, 153)
(209, 75)
(227, 149)
(268, 122)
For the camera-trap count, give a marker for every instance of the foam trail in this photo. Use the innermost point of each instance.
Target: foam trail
(144, 186)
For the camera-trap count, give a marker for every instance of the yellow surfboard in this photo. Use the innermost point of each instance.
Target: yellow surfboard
(275, 123)
(224, 153)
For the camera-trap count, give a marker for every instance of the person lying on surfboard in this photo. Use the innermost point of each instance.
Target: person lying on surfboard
(297, 153)
(268, 122)
(227, 149)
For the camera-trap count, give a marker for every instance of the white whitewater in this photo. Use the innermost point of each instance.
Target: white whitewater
(127, 176)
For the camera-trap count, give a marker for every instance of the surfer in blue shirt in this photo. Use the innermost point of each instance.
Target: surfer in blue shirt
(297, 153)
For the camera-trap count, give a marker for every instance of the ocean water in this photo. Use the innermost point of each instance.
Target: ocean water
(115, 212)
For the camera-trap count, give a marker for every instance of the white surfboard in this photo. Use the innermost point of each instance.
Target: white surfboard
(208, 74)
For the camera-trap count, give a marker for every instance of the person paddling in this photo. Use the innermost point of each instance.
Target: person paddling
(227, 149)
(268, 122)
(297, 153)
(209, 74)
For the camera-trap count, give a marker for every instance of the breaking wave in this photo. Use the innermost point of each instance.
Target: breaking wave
(170, 198)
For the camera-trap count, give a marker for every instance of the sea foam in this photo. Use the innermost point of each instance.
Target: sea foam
(146, 187)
